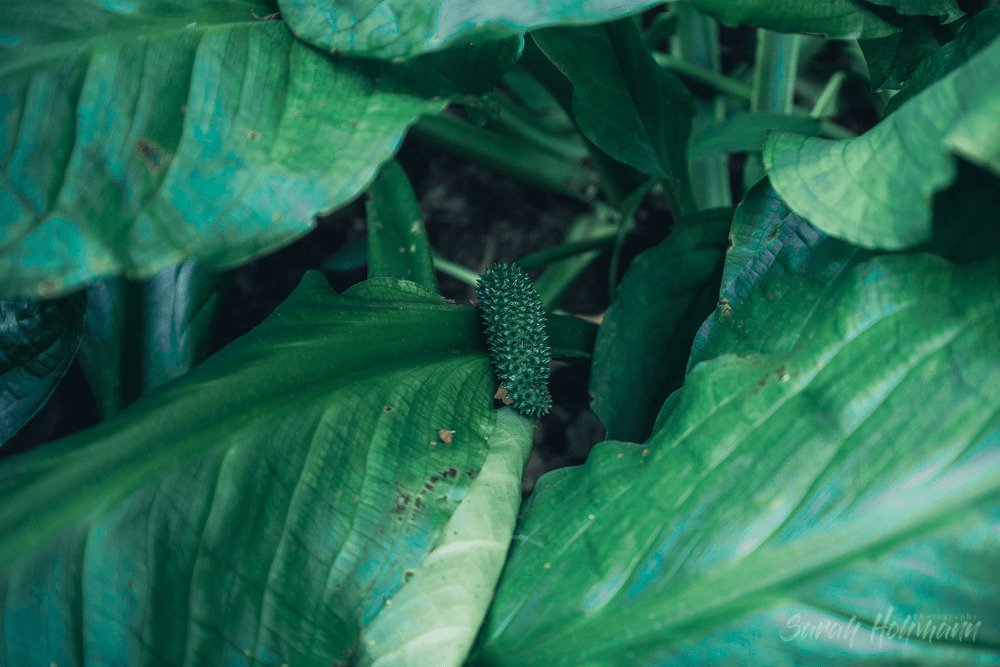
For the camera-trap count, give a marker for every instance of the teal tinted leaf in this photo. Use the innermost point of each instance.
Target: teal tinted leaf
(837, 19)
(435, 617)
(876, 190)
(976, 35)
(776, 263)
(38, 340)
(405, 28)
(263, 507)
(851, 475)
(140, 335)
(397, 242)
(631, 108)
(892, 59)
(645, 338)
(946, 10)
(746, 131)
(138, 135)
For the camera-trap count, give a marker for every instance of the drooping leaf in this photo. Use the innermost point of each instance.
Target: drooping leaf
(406, 28)
(875, 190)
(837, 19)
(397, 242)
(631, 108)
(435, 617)
(946, 10)
(140, 335)
(263, 507)
(746, 131)
(644, 341)
(981, 31)
(137, 135)
(892, 59)
(860, 458)
(38, 340)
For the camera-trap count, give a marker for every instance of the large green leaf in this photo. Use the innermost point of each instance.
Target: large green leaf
(876, 190)
(436, 616)
(265, 506)
(136, 135)
(631, 108)
(38, 340)
(846, 476)
(643, 343)
(832, 18)
(392, 29)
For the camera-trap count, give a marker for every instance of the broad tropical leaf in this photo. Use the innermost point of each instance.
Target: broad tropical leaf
(643, 343)
(396, 29)
(876, 190)
(857, 455)
(265, 506)
(838, 19)
(631, 108)
(137, 135)
(38, 340)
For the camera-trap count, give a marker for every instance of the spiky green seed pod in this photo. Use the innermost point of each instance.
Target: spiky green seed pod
(514, 324)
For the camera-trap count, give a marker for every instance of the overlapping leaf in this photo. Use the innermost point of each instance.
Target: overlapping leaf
(643, 342)
(266, 506)
(136, 135)
(406, 28)
(631, 108)
(799, 493)
(37, 343)
(876, 190)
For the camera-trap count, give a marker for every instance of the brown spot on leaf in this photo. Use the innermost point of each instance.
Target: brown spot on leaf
(155, 157)
(446, 436)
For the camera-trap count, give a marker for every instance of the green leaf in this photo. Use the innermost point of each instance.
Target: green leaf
(946, 10)
(397, 29)
(852, 475)
(137, 135)
(435, 617)
(892, 59)
(38, 340)
(746, 131)
(263, 507)
(560, 275)
(631, 108)
(836, 19)
(981, 31)
(140, 335)
(876, 190)
(397, 242)
(802, 267)
(643, 343)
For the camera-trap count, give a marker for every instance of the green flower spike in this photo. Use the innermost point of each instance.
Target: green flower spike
(514, 324)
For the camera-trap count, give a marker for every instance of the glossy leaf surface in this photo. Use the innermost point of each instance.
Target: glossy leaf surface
(263, 507)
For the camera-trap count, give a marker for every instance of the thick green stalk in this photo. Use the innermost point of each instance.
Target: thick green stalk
(775, 70)
(509, 155)
(696, 41)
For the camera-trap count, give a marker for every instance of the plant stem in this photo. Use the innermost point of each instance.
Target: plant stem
(696, 41)
(775, 70)
(566, 250)
(456, 271)
(506, 154)
(704, 76)
(826, 103)
(517, 120)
